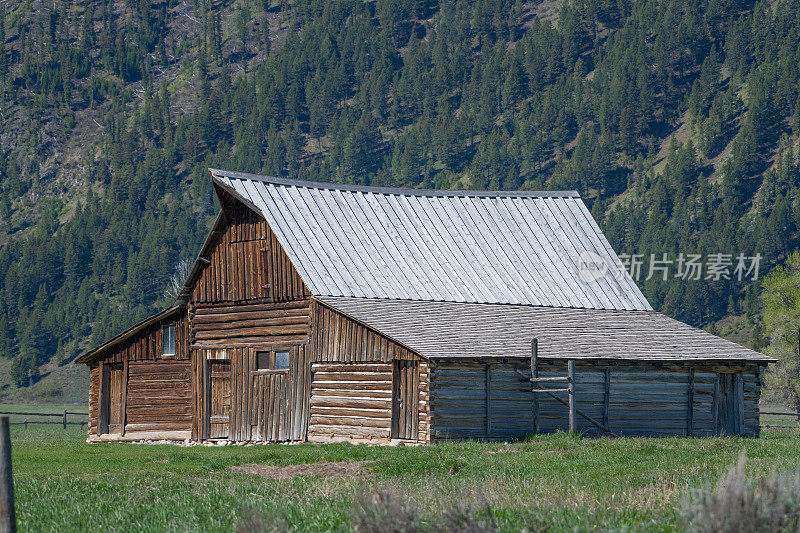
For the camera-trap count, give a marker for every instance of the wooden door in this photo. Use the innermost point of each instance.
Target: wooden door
(730, 409)
(219, 398)
(116, 408)
(280, 389)
(269, 413)
(405, 405)
(112, 405)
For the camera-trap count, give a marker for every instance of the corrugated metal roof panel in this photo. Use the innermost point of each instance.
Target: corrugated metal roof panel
(467, 330)
(463, 246)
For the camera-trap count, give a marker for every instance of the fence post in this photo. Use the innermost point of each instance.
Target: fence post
(571, 386)
(8, 519)
(534, 384)
(65, 419)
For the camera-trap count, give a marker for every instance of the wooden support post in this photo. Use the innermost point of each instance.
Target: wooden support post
(715, 406)
(535, 375)
(65, 419)
(571, 387)
(125, 395)
(8, 519)
(606, 394)
(488, 400)
(690, 405)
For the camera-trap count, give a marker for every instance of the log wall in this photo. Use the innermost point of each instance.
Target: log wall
(474, 400)
(94, 395)
(339, 338)
(250, 325)
(143, 348)
(480, 400)
(351, 402)
(424, 402)
(244, 261)
(159, 396)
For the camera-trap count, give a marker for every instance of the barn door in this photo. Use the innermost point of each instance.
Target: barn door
(276, 376)
(219, 398)
(112, 389)
(730, 397)
(270, 406)
(405, 391)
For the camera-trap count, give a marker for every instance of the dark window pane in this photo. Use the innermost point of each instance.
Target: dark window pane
(262, 360)
(282, 360)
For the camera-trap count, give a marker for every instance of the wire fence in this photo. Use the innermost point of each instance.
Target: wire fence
(780, 420)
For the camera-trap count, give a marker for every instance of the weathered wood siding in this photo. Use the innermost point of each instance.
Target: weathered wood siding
(143, 347)
(265, 406)
(244, 261)
(94, 395)
(339, 338)
(146, 344)
(424, 402)
(250, 324)
(478, 400)
(279, 406)
(351, 401)
(159, 396)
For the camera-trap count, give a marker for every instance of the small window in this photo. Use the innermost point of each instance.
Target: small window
(282, 360)
(262, 360)
(168, 340)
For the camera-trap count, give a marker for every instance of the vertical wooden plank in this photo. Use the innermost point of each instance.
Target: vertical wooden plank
(690, 404)
(105, 399)
(738, 387)
(534, 384)
(124, 402)
(606, 394)
(715, 405)
(414, 402)
(488, 399)
(571, 386)
(395, 429)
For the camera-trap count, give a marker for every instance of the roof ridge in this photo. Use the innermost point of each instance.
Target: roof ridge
(218, 173)
(323, 297)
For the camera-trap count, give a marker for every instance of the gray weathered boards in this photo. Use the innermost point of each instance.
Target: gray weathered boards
(328, 312)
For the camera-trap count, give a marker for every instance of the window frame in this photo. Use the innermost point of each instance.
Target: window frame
(169, 329)
(272, 360)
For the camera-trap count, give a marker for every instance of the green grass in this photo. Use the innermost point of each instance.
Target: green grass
(65, 484)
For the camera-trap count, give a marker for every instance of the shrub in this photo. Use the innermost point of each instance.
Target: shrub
(383, 511)
(767, 504)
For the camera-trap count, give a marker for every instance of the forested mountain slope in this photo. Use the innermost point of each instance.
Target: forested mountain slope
(677, 120)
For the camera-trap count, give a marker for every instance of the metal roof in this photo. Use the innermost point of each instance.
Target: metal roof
(509, 247)
(466, 330)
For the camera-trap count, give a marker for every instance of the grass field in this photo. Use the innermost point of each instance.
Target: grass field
(556, 482)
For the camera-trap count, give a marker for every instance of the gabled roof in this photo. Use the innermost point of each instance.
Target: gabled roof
(499, 247)
(467, 330)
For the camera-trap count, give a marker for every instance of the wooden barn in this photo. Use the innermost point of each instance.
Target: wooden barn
(321, 312)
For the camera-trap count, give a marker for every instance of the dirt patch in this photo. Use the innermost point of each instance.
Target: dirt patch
(326, 469)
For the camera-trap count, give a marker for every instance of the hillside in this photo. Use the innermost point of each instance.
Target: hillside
(677, 121)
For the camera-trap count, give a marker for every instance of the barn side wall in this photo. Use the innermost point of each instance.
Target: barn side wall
(492, 400)
(353, 374)
(339, 338)
(237, 333)
(156, 398)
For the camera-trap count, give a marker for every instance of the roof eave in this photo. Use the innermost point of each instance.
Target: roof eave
(128, 333)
